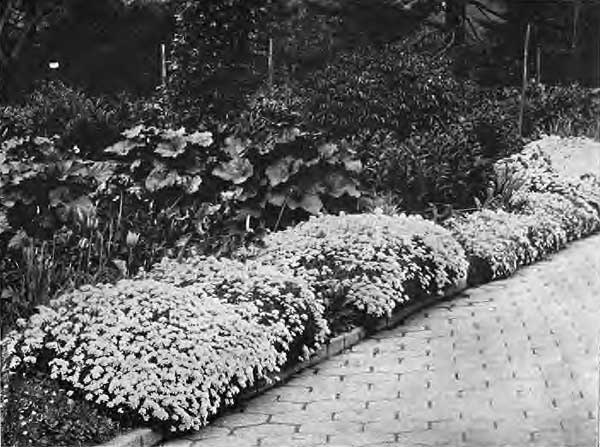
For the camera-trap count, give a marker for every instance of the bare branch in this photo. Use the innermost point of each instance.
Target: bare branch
(474, 29)
(487, 10)
(447, 46)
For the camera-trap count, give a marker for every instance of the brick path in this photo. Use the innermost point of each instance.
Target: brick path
(512, 363)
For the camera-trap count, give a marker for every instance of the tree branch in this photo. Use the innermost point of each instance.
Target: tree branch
(474, 29)
(486, 9)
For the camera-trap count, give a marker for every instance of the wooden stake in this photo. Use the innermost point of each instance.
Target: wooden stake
(538, 64)
(270, 62)
(523, 91)
(163, 64)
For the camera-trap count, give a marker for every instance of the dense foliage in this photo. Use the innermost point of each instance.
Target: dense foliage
(368, 264)
(171, 354)
(42, 413)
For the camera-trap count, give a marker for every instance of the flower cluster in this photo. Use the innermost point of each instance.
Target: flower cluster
(370, 263)
(173, 354)
(278, 296)
(497, 243)
(574, 214)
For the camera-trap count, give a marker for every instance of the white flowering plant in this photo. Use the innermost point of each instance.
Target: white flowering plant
(368, 264)
(279, 296)
(173, 355)
(575, 215)
(497, 242)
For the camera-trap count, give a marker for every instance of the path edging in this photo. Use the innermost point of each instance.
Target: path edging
(147, 437)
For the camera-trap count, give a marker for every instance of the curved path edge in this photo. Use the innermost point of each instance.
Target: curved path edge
(147, 437)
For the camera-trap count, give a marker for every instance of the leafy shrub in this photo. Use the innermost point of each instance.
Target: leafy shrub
(277, 296)
(42, 186)
(173, 355)
(39, 412)
(497, 243)
(570, 110)
(373, 88)
(445, 166)
(367, 264)
(58, 109)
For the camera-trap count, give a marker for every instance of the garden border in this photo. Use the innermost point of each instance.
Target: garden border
(147, 437)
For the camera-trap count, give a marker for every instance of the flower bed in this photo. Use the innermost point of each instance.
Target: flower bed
(176, 345)
(543, 210)
(365, 266)
(497, 243)
(173, 355)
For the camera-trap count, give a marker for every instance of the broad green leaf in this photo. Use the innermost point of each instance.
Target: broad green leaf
(59, 196)
(327, 150)
(281, 170)
(277, 198)
(172, 147)
(193, 184)
(311, 203)
(339, 184)
(353, 165)
(122, 147)
(18, 241)
(234, 147)
(133, 132)
(203, 139)
(160, 177)
(236, 171)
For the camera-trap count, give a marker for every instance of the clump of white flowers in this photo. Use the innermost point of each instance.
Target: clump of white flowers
(279, 296)
(371, 263)
(543, 212)
(574, 214)
(497, 243)
(173, 353)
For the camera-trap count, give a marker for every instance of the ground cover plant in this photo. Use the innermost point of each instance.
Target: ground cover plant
(365, 266)
(533, 211)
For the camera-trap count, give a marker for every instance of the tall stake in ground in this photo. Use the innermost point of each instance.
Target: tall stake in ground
(523, 91)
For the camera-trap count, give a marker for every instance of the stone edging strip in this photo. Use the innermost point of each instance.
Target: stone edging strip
(146, 437)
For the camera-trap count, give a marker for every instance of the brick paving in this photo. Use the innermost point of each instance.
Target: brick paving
(511, 363)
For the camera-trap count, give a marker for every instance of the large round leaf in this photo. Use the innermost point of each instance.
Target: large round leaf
(339, 184)
(173, 143)
(122, 148)
(203, 139)
(280, 171)
(160, 177)
(236, 171)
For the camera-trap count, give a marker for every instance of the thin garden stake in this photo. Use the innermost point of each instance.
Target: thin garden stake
(538, 64)
(270, 62)
(523, 91)
(163, 65)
